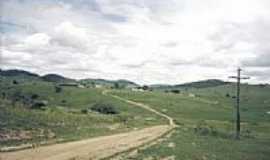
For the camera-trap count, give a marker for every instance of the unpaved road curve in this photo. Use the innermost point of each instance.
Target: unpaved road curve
(171, 122)
(95, 148)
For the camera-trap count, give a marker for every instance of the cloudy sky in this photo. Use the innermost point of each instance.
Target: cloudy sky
(147, 41)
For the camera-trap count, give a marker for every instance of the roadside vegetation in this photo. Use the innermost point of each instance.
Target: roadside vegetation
(35, 111)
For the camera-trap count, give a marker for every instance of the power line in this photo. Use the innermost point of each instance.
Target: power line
(238, 77)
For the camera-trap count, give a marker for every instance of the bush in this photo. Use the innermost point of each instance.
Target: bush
(104, 108)
(34, 96)
(3, 95)
(39, 104)
(176, 91)
(145, 87)
(116, 85)
(15, 82)
(84, 111)
(58, 89)
(202, 128)
(15, 97)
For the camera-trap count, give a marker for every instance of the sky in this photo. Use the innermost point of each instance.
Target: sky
(146, 41)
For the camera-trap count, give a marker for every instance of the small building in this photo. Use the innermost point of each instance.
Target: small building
(137, 89)
(98, 86)
(191, 95)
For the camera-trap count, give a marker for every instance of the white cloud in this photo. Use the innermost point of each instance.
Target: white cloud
(37, 40)
(146, 41)
(69, 35)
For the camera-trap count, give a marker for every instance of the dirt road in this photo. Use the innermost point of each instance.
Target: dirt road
(170, 120)
(95, 148)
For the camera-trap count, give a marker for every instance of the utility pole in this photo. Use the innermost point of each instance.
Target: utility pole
(238, 77)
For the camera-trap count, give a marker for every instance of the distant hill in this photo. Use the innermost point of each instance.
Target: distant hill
(22, 75)
(15, 72)
(122, 83)
(203, 84)
(56, 78)
(18, 75)
(127, 83)
(198, 84)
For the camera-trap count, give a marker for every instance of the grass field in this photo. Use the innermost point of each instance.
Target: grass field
(205, 124)
(204, 118)
(62, 119)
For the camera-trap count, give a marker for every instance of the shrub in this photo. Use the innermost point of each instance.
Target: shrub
(84, 111)
(145, 87)
(202, 128)
(15, 82)
(39, 104)
(3, 95)
(34, 96)
(176, 91)
(58, 89)
(116, 85)
(104, 108)
(15, 97)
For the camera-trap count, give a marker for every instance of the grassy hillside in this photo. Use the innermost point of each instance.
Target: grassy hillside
(56, 78)
(185, 86)
(66, 114)
(206, 128)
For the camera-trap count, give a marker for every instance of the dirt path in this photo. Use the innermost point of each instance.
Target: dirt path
(95, 148)
(170, 120)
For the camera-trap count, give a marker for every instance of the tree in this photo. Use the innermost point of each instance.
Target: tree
(145, 87)
(15, 82)
(34, 96)
(176, 91)
(4, 95)
(58, 89)
(116, 85)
